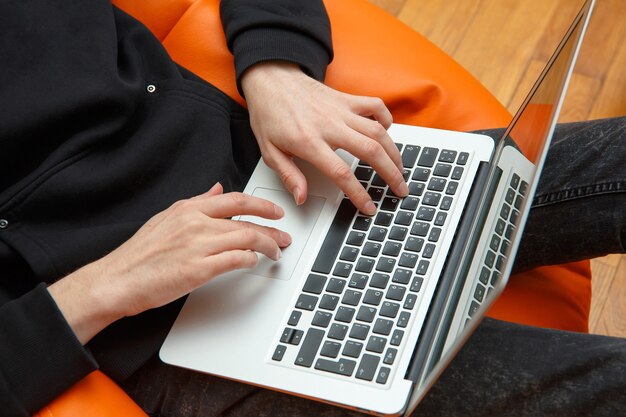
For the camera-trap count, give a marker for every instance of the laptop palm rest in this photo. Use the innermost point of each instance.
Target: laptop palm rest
(298, 221)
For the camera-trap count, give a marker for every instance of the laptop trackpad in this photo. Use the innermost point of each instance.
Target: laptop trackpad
(298, 222)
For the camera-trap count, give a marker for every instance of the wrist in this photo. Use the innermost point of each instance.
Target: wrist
(265, 72)
(86, 302)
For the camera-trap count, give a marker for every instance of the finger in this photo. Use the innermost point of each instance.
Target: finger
(373, 129)
(331, 165)
(217, 189)
(237, 204)
(229, 261)
(372, 107)
(245, 239)
(283, 239)
(373, 152)
(288, 172)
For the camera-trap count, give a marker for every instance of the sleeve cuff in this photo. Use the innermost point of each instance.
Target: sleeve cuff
(259, 45)
(40, 357)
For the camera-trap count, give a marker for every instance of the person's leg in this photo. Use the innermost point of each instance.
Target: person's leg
(579, 209)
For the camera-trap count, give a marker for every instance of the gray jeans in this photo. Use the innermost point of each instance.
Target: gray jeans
(505, 369)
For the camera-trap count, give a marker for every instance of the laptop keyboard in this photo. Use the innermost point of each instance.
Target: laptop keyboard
(499, 243)
(362, 291)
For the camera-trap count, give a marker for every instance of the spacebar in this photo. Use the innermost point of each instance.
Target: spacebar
(334, 238)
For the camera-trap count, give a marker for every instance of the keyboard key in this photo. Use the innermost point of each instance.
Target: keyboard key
(306, 302)
(376, 194)
(352, 349)
(440, 218)
(437, 184)
(378, 181)
(414, 244)
(390, 356)
(431, 199)
(345, 314)
(329, 302)
(523, 188)
(363, 173)
(279, 352)
(330, 349)
(362, 223)
(389, 309)
(509, 196)
(509, 232)
(490, 258)
(473, 308)
(494, 243)
(332, 242)
(452, 187)
(429, 251)
(321, 319)
(484, 275)
(379, 280)
(366, 314)
(351, 298)
(373, 297)
(396, 337)
(500, 263)
(434, 235)
(294, 318)
(376, 344)
(342, 367)
(420, 229)
(479, 293)
(506, 210)
(342, 269)
(514, 217)
(383, 219)
(425, 213)
(518, 202)
(314, 284)
(291, 336)
(409, 155)
(500, 224)
(365, 265)
(410, 203)
(515, 181)
(401, 276)
(446, 203)
(310, 346)
(356, 238)
(442, 170)
(457, 173)
(336, 285)
(409, 301)
(390, 203)
(404, 218)
(504, 249)
(349, 254)
(337, 331)
(416, 285)
(422, 267)
(377, 234)
(359, 331)
(382, 326)
(403, 320)
(392, 249)
(416, 188)
(408, 260)
(358, 281)
(462, 159)
(372, 249)
(428, 157)
(398, 233)
(447, 156)
(395, 292)
(385, 264)
(367, 367)
(495, 278)
(421, 174)
(383, 375)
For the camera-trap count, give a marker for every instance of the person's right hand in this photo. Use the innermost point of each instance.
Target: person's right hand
(175, 252)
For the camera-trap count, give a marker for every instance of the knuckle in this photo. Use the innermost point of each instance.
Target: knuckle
(372, 149)
(239, 199)
(377, 131)
(341, 171)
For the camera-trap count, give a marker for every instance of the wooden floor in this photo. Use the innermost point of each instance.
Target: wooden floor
(505, 44)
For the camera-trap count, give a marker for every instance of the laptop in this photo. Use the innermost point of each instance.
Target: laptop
(366, 312)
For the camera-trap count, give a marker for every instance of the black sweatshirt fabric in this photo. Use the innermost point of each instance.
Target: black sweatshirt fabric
(88, 153)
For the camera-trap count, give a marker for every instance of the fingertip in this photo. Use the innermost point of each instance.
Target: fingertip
(369, 208)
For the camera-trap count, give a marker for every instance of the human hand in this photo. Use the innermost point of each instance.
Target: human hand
(292, 114)
(175, 252)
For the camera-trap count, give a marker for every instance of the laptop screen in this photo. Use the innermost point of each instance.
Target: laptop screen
(531, 129)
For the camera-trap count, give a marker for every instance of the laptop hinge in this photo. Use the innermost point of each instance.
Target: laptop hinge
(439, 319)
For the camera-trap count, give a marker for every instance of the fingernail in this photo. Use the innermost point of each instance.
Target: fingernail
(285, 238)
(403, 189)
(278, 211)
(278, 255)
(296, 195)
(370, 208)
(217, 184)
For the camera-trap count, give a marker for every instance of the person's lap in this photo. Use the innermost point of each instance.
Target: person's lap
(505, 368)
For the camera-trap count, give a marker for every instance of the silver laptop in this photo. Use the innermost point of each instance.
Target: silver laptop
(365, 312)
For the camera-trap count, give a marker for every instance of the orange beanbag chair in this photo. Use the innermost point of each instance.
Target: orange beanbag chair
(420, 84)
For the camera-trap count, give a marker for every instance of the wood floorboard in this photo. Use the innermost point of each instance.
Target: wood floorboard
(505, 44)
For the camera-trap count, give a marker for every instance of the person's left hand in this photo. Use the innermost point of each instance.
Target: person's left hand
(292, 114)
